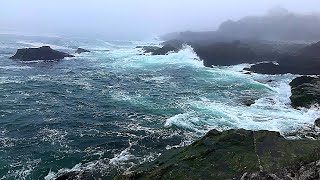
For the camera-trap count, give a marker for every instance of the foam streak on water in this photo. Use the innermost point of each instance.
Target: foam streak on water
(106, 111)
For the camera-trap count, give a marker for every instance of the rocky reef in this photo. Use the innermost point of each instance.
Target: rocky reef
(233, 154)
(225, 54)
(305, 91)
(166, 47)
(42, 53)
(81, 50)
(305, 62)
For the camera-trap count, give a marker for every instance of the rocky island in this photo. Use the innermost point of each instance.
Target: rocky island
(41, 53)
(81, 50)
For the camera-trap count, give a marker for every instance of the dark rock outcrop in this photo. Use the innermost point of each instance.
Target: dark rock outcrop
(301, 171)
(42, 53)
(167, 47)
(81, 50)
(305, 62)
(225, 54)
(230, 154)
(305, 92)
(248, 102)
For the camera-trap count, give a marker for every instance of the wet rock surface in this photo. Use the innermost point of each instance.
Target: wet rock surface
(305, 92)
(42, 53)
(234, 154)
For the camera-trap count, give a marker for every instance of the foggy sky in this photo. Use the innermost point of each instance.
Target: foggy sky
(120, 19)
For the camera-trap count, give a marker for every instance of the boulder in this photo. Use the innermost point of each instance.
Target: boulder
(305, 92)
(167, 47)
(81, 50)
(230, 154)
(42, 53)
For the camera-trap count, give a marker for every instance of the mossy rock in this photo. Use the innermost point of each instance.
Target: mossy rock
(228, 155)
(305, 92)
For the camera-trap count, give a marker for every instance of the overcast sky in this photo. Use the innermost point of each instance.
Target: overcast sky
(133, 18)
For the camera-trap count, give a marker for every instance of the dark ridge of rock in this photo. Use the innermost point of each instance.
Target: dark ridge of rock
(42, 53)
(291, 64)
(167, 47)
(305, 92)
(230, 154)
(307, 62)
(165, 50)
(81, 50)
(302, 171)
(301, 80)
(225, 54)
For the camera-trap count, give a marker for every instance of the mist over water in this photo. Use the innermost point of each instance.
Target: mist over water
(106, 111)
(127, 19)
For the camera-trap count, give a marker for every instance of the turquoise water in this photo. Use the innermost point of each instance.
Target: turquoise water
(106, 111)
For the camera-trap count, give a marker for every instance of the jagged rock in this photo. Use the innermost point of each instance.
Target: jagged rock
(300, 171)
(306, 62)
(290, 64)
(81, 50)
(305, 92)
(229, 155)
(167, 47)
(225, 54)
(42, 53)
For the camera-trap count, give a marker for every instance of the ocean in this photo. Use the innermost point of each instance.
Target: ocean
(106, 111)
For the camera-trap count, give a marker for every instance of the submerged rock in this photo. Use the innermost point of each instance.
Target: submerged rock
(230, 154)
(42, 53)
(81, 50)
(248, 102)
(305, 92)
(167, 47)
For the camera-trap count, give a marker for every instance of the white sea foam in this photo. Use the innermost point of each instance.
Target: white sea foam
(15, 67)
(39, 44)
(123, 156)
(272, 112)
